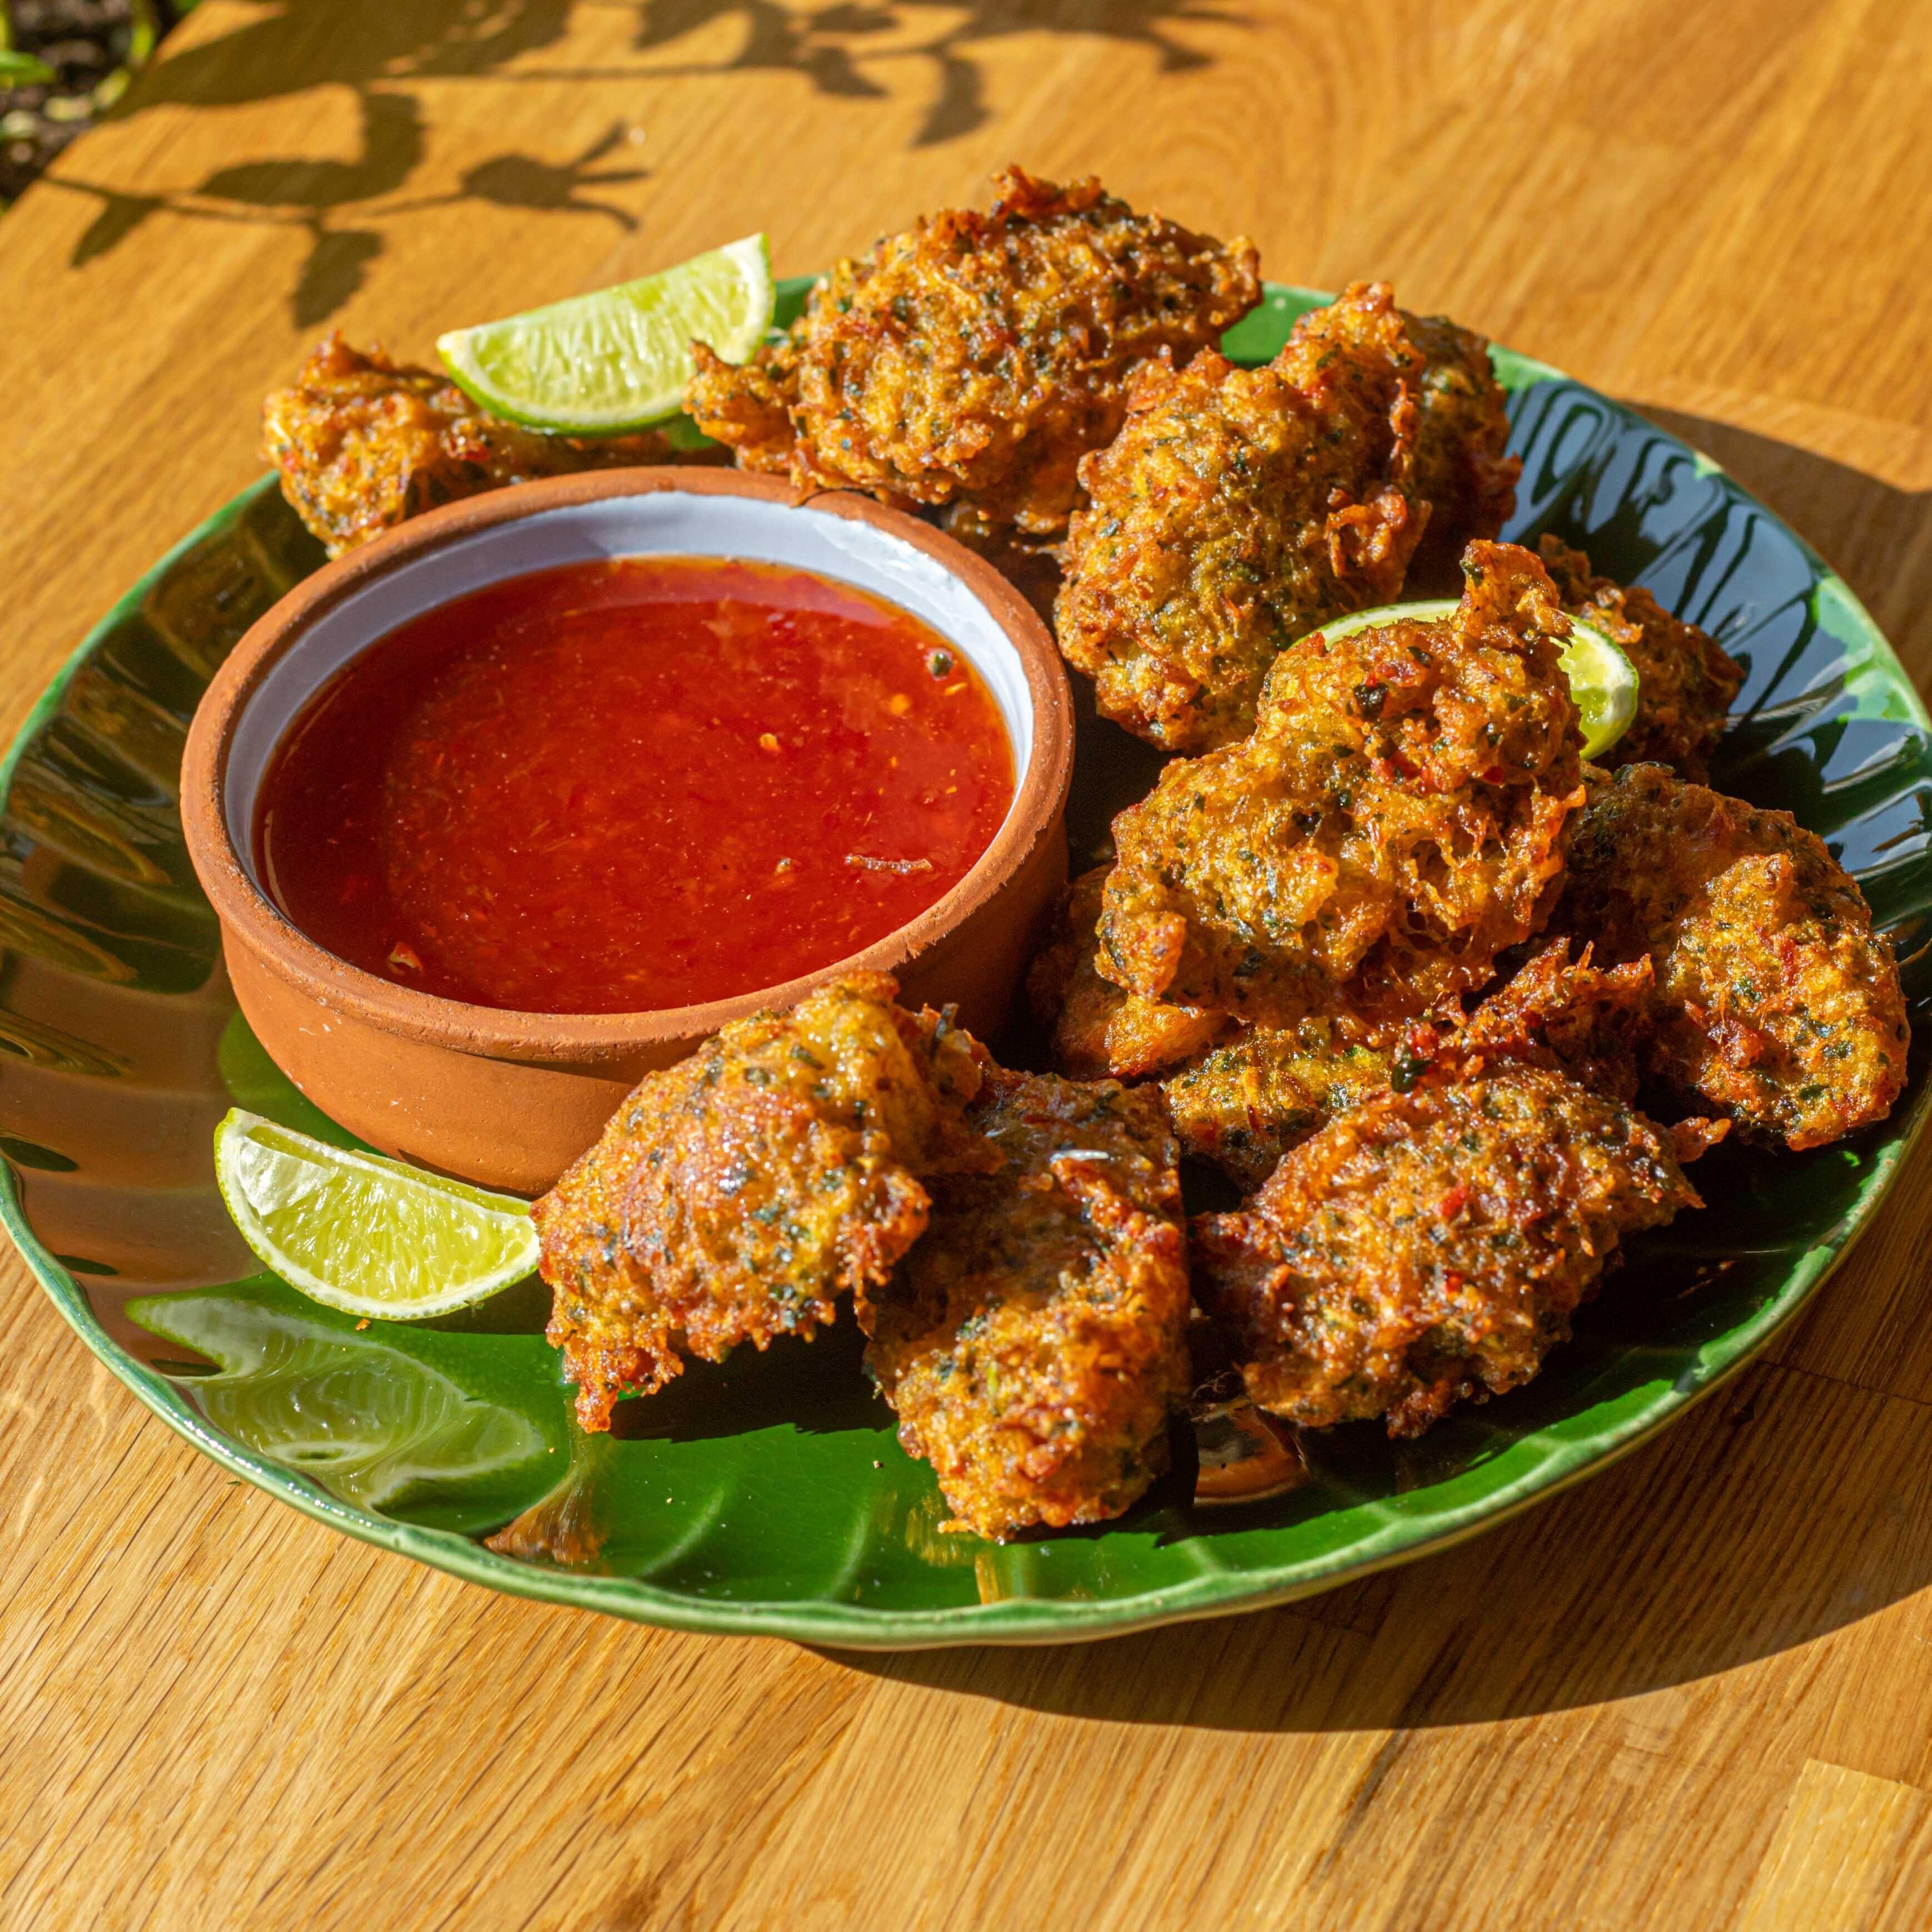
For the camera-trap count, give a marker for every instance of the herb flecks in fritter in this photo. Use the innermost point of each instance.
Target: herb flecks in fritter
(364, 442)
(1240, 508)
(1243, 1104)
(972, 360)
(1098, 1029)
(1034, 1342)
(1392, 825)
(1589, 1021)
(1685, 678)
(1461, 470)
(735, 1196)
(1777, 1003)
(1237, 509)
(1431, 1247)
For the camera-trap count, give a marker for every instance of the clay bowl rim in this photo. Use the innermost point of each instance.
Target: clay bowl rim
(249, 918)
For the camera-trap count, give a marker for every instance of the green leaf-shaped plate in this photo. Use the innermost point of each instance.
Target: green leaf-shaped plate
(770, 1495)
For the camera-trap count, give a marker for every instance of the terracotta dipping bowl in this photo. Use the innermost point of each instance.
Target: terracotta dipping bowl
(509, 1100)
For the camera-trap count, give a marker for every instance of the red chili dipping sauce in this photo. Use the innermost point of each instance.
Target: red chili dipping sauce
(616, 786)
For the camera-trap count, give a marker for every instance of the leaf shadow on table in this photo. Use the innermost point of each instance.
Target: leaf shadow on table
(1788, 1506)
(380, 50)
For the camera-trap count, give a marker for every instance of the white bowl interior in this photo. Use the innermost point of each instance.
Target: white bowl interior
(666, 522)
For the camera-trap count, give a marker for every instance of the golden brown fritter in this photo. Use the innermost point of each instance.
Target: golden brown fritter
(1777, 1003)
(974, 358)
(1590, 1022)
(1685, 678)
(1096, 1028)
(735, 1196)
(1244, 1105)
(1391, 825)
(1238, 509)
(364, 442)
(1431, 1246)
(1034, 1340)
(1461, 470)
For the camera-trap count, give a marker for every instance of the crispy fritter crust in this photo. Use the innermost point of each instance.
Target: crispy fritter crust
(1034, 1341)
(1590, 1022)
(1244, 1105)
(1391, 825)
(1461, 471)
(734, 1196)
(1431, 1246)
(974, 358)
(364, 442)
(1777, 1003)
(1238, 509)
(1096, 1028)
(1686, 679)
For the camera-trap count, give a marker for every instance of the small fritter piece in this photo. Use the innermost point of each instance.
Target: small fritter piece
(974, 358)
(1590, 1022)
(1461, 470)
(1243, 1105)
(747, 405)
(1686, 679)
(1777, 1003)
(1238, 509)
(1392, 825)
(364, 442)
(735, 1196)
(1096, 1028)
(1431, 1246)
(1033, 1342)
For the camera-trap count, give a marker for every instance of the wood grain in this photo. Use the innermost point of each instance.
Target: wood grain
(1693, 1694)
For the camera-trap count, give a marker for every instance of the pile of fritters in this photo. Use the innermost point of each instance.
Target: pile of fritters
(1012, 1242)
(970, 362)
(1452, 1008)
(1324, 928)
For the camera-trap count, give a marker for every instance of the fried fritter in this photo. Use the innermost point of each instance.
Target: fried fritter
(1096, 1028)
(1237, 509)
(1590, 1022)
(1035, 1340)
(735, 1196)
(1686, 679)
(364, 442)
(1461, 470)
(1240, 509)
(1431, 1246)
(1391, 825)
(1777, 1003)
(974, 359)
(1244, 1105)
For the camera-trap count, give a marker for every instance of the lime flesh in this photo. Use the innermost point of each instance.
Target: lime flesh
(363, 1233)
(1603, 680)
(599, 364)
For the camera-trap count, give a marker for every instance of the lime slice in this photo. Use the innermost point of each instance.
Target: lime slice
(619, 359)
(364, 1234)
(1603, 680)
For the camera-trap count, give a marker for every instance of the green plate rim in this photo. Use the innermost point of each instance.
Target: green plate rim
(1008, 1621)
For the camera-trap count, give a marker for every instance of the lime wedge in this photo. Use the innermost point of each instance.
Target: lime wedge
(364, 1234)
(1603, 680)
(619, 359)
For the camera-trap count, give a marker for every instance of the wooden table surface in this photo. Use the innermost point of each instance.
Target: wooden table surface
(1695, 1693)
